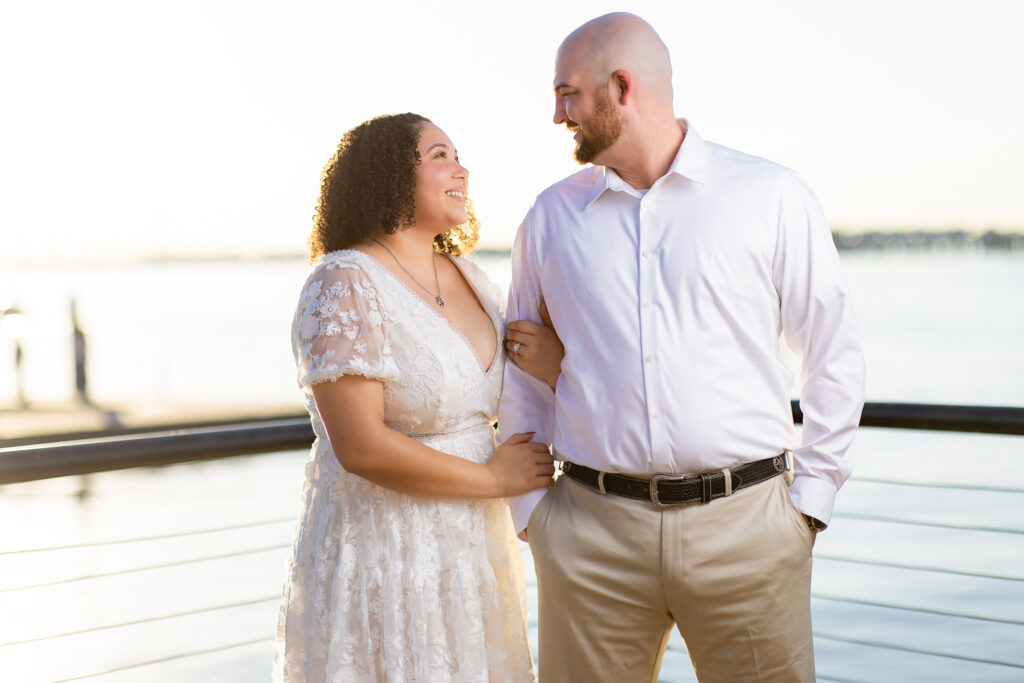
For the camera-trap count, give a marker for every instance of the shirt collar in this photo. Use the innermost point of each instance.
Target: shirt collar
(607, 179)
(690, 162)
(692, 158)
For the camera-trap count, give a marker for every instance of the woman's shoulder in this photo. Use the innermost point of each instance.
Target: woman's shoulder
(344, 264)
(478, 277)
(469, 264)
(342, 259)
(344, 267)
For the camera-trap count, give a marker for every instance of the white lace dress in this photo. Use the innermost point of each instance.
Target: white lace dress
(383, 586)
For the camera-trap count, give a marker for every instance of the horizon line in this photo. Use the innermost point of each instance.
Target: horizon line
(845, 241)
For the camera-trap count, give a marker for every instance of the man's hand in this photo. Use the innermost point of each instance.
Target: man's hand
(522, 536)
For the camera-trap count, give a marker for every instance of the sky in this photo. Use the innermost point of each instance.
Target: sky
(131, 129)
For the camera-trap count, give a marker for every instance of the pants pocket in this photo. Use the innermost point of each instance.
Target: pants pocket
(794, 512)
(539, 515)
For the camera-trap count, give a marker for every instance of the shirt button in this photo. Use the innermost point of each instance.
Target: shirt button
(646, 253)
(650, 358)
(656, 415)
(647, 304)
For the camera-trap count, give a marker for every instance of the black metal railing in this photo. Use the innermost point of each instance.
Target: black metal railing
(105, 453)
(193, 443)
(942, 418)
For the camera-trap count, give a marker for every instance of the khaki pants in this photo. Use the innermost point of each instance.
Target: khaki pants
(614, 574)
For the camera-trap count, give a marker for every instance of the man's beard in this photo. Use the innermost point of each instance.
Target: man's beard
(601, 132)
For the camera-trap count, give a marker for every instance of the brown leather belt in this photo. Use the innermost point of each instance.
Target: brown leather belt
(670, 490)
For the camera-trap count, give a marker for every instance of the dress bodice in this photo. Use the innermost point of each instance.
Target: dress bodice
(356, 316)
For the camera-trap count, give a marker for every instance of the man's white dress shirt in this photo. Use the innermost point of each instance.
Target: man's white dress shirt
(675, 307)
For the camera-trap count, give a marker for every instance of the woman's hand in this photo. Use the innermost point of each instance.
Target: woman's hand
(520, 466)
(536, 348)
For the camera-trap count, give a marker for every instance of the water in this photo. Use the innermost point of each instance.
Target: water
(937, 328)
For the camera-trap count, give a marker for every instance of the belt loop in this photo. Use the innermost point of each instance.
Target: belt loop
(728, 482)
(705, 488)
(600, 483)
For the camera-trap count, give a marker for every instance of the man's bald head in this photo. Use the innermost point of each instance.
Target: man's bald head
(619, 41)
(613, 90)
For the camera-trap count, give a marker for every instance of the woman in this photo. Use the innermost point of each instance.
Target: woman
(405, 565)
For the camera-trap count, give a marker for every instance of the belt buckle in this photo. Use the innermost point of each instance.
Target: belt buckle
(655, 501)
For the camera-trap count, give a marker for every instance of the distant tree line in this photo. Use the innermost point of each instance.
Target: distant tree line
(951, 239)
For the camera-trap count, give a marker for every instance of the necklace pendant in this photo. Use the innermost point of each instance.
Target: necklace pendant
(433, 259)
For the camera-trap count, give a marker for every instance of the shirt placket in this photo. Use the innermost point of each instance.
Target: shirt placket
(648, 277)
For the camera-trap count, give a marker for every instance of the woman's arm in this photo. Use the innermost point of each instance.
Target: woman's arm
(352, 409)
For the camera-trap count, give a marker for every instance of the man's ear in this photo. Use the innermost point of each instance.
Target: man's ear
(622, 82)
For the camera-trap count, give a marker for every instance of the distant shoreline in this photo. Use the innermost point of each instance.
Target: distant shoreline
(845, 241)
(950, 239)
(956, 240)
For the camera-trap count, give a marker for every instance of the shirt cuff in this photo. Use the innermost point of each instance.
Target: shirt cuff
(522, 506)
(814, 497)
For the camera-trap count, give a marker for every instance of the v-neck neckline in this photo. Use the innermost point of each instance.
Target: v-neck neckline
(451, 325)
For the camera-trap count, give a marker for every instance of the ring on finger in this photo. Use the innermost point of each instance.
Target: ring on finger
(515, 347)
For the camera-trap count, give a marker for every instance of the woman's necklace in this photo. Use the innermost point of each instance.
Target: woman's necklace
(433, 256)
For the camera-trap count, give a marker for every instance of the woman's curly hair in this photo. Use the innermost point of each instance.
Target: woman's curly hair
(367, 188)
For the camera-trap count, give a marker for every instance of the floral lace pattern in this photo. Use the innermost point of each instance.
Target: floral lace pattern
(383, 586)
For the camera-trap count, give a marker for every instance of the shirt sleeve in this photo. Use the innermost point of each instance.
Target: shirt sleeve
(340, 328)
(819, 324)
(527, 403)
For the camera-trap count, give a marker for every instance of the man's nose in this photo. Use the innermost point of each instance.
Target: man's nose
(560, 116)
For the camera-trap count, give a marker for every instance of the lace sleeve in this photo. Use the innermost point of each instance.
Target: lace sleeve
(340, 328)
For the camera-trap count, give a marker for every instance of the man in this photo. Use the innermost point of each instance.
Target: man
(675, 272)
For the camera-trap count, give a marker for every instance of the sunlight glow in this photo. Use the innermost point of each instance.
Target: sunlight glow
(200, 128)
